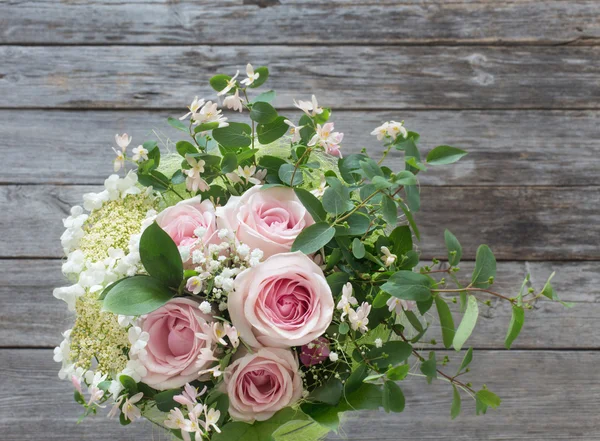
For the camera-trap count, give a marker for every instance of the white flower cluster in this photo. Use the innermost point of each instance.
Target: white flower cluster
(217, 265)
(390, 129)
(358, 318)
(200, 419)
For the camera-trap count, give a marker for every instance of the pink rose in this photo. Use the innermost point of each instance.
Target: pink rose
(268, 219)
(282, 302)
(315, 352)
(262, 383)
(182, 222)
(175, 342)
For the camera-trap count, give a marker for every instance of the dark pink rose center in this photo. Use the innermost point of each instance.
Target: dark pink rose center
(287, 302)
(259, 385)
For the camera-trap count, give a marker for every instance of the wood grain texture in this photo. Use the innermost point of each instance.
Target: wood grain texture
(519, 223)
(286, 22)
(23, 297)
(547, 395)
(553, 147)
(393, 78)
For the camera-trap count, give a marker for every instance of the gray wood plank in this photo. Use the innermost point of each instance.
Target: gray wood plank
(546, 395)
(23, 297)
(287, 22)
(519, 223)
(356, 77)
(552, 148)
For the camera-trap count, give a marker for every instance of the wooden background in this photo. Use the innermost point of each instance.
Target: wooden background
(515, 83)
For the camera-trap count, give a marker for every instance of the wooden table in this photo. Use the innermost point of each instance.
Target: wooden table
(515, 83)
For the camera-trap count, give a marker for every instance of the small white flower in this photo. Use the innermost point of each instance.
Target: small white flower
(209, 113)
(196, 104)
(346, 301)
(119, 161)
(134, 369)
(222, 306)
(396, 128)
(205, 307)
(311, 108)
(69, 294)
(358, 319)
(326, 138)
(399, 305)
(378, 343)
(318, 192)
(234, 102)
(252, 76)
(381, 131)
(389, 258)
(138, 340)
(212, 418)
(231, 83)
(333, 356)
(194, 181)
(130, 411)
(243, 250)
(123, 141)
(194, 285)
(294, 130)
(176, 420)
(139, 153)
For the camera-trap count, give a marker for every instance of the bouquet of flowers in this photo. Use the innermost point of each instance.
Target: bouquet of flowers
(253, 282)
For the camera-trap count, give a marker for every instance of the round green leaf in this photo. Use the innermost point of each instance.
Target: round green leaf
(234, 135)
(393, 398)
(268, 133)
(313, 238)
(290, 175)
(263, 75)
(263, 113)
(408, 285)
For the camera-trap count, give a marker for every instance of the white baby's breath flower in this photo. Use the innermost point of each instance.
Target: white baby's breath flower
(205, 307)
(333, 356)
(139, 153)
(378, 343)
(252, 76)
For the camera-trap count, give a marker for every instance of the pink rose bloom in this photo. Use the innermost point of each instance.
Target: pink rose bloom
(172, 351)
(269, 219)
(315, 352)
(282, 302)
(262, 383)
(182, 221)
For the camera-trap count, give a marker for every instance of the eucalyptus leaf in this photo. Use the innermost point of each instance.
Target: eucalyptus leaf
(313, 238)
(312, 204)
(392, 397)
(136, 295)
(516, 324)
(454, 248)
(263, 113)
(235, 135)
(467, 324)
(358, 248)
(268, 133)
(408, 285)
(485, 267)
(290, 175)
(444, 154)
(455, 409)
(446, 321)
(179, 125)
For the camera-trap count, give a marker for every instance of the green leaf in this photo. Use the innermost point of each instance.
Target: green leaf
(164, 400)
(265, 97)
(336, 199)
(367, 397)
(354, 381)
(515, 325)
(358, 224)
(349, 167)
(408, 285)
(413, 197)
(336, 282)
(405, 178)
(444, 154)
(260, 430)
(206, 127)
(329, 393)
(219, 82)
(485, 267)
(425, 305)
(160, 256)
(370, 168)
(455, 409)
(466, 361)
(268, 133)
(229, 162)
(129, 384)
(155, 179)
(380, 183)
(136, 295)
(344, 328)
(393, 398)
(395, 352)
(429, 367)
(398, 373)
(263, 75)
(389, 210)
(313, 238)
(234, 135)
(381, 299)
(178, 178)
(263, 113)
(467, 324)
(411, 220)
(179, 125)
(323, 414)
(454, 248)
(358, 248)
(488, 398)
(289, 175)
(401, 238)
(185, 148)
(299, 430)
(446, 321)
(312, 204)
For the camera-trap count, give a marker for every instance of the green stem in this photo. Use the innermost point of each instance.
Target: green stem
(476, 290)
(358, 207)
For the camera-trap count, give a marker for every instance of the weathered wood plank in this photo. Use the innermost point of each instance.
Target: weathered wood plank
(26, 287)
(546, 395)
(393, 77)
(519, 223)
(286, 22)
(75, 146)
